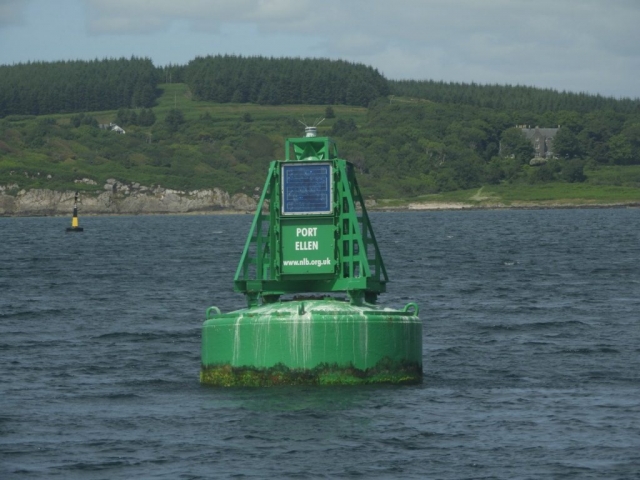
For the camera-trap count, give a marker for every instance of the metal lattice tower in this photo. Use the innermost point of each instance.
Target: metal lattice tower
(311, 231)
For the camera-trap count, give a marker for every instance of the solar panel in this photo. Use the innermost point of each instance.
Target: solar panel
(306, 188)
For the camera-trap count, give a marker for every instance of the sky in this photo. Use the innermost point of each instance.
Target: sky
(590, 46)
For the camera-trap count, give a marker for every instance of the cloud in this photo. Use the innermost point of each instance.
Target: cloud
(585, 45)
(12, 12)
(452, 24)
(145, 16)
(357, 44)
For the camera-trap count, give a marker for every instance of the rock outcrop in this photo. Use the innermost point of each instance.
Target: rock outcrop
(121, 198)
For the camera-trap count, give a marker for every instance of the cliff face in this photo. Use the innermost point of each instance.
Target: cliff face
(119, 198)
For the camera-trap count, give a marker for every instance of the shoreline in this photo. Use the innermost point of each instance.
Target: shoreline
(129, 214)
(410, 207)
(435, 206)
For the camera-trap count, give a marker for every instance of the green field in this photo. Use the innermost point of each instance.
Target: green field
(552, 194)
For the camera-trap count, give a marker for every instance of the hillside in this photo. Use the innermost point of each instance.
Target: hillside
(212, 145)
(431, 147)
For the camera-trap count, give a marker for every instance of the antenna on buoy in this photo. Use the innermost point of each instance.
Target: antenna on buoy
(74, 221)
(311, 130)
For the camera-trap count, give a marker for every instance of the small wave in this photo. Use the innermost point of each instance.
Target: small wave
(443, 352)
(468, 290)
(588, 350)
(148, 335)
(166, 383)
(608, 350)
(121, 396)
(95, 466)
(520, 327)
(30, 314)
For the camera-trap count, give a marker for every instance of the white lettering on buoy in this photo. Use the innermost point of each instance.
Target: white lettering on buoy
(306, 245)
(306, 231)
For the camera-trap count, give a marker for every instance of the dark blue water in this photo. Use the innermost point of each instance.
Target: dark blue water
(531, 354)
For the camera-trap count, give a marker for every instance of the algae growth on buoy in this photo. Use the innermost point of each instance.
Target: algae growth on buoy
(311, 238)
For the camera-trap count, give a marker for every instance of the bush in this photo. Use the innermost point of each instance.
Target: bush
(573, 171)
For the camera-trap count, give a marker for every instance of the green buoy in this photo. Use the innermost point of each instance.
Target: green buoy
(75, 226)
(311, 238)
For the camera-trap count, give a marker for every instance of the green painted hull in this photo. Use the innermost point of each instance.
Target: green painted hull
(325, 342)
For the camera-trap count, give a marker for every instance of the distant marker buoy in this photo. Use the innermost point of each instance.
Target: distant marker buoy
(74, 221)
(311, 236)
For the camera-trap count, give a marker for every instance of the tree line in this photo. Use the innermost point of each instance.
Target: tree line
(41, 88)
(38, 88)
(278, 81)
(508, 97)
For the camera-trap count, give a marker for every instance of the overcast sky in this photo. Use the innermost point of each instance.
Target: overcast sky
(588, 46)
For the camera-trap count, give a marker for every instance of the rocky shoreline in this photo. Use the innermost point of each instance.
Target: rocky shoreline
(124, 199)
(134, 199)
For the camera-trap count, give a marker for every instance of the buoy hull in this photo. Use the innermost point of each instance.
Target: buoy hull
(321, 342)
(75, 229)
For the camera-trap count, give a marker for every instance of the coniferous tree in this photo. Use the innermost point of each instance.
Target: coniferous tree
(174, 119)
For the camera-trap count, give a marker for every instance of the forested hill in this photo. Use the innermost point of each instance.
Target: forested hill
(284, 81)
(41, 88)
(512, 98)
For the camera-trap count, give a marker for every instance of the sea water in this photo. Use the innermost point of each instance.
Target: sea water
(531, 353)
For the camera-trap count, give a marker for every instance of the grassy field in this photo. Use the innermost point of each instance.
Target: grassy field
(606, 185)
(552, 194)
(178, 96)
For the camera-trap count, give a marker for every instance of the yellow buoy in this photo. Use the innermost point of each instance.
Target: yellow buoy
(74, 221)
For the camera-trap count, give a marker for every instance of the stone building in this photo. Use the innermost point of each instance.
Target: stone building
(541, 139)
